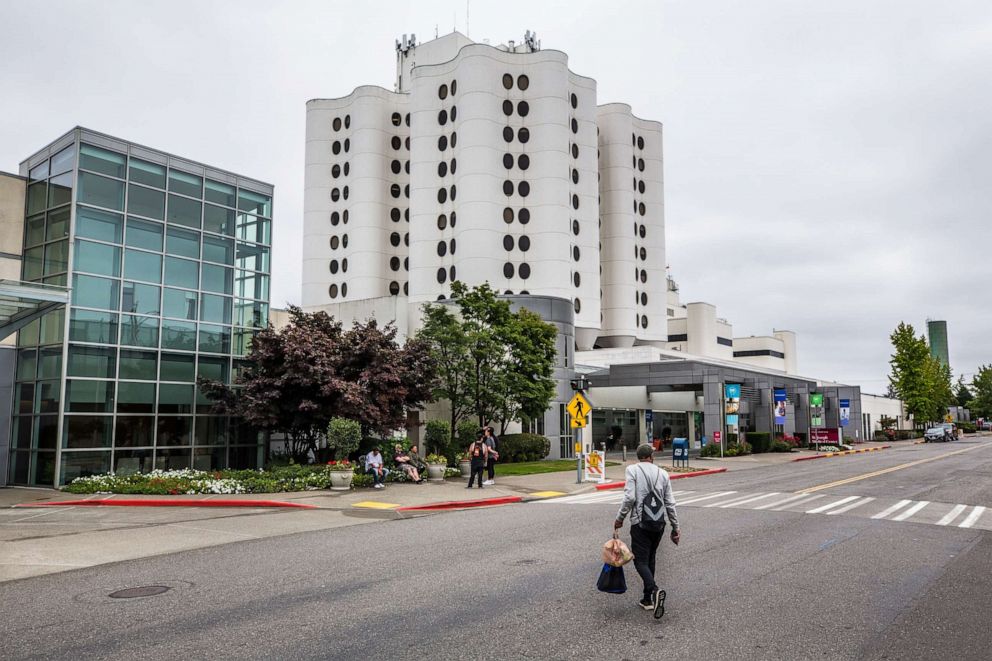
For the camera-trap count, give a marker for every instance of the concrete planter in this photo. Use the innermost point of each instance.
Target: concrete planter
(435, 472)
(341, 480)
(465, 467)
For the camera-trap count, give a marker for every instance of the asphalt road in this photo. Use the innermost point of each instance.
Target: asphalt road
(517, 582)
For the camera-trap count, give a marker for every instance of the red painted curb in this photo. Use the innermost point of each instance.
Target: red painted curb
(167, 502)
(843, 453)
(815, 456)
(459, 504)
(676, 476)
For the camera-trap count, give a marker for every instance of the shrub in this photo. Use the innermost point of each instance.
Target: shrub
(523, 447)
(967, 427)
(343, 437)
(803, 440)
(780, 445)
(437, 437)
(760, 441)
(737, 449)
(710, 450)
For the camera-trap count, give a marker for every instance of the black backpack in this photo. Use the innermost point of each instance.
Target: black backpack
(652, 509)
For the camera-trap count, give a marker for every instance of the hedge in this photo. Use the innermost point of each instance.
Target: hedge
(523, 447)
(760, 441)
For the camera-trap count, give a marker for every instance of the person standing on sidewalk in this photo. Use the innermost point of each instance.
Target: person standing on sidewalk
(478, 453)
(647, 497)
(492, 442)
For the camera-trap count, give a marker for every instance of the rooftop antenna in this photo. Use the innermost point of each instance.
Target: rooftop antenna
(467, 2)
(435, 30)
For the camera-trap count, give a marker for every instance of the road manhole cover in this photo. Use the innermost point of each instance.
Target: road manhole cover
(143, 591)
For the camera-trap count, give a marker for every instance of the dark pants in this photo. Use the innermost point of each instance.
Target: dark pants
(377, 478)
(491, 467)
(644, 545)
(477, 468)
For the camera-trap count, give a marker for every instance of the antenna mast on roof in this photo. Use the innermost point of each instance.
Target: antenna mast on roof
(467, 2)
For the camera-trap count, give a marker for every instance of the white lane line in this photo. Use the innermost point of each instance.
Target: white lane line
(911, 511)
(848, 508)
(898, 506)
(802, 501)
(953, 514)
(783, 501)
(972, 518)
(830, 506)
(735, 503)
(697, 499)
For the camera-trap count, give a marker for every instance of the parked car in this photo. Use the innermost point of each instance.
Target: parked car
(935, 435)
(951, 430)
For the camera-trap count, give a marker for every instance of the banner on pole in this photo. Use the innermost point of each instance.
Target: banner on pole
(780, 406)
(845, 412)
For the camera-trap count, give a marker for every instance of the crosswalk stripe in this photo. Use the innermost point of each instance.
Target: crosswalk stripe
(953, 514)
(697, 499)
(911, 511)
(735, 503)
(898, 506)
(848, 508)
(972, 518)
(788, 499)
(802, 501)
(824, 508)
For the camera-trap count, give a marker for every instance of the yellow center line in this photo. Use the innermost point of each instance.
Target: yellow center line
(865, 476)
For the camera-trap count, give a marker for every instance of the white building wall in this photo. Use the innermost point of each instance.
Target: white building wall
(761, 343)
(877, 406)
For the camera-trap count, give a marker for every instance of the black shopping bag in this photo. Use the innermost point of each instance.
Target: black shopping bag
(612, 580)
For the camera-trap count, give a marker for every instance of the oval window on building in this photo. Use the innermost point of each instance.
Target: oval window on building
(523, 82)
(454, 165)
(454, 87)
(507, 242)
(640, 164)
(454, 113)
(523, 216)
(523, 135)
(644, 298)
(336, 147)
(643, 254)
(576, 279)
(442, 143)
(442, 195)
(347, 121)
(406, 119)
(394, 215)
(575, 125)
(644, 321)
(640, 208)
(640, 142)
(335, 218)
(507, 215)
(395, 142)
(507, 107)
(644, 276)
(454, 192)
(442, 168)
(344, 289)
(442, 92)
(451, 249)
(396, 167)
(344, 265)
(344, 241)
(394, 239)
(347, 168)
(332, 291)
(347, 145)
(406, 191)
(575, 176)
(575, 201)
(335, 194)
(508, 161)
(344, 216)
(406, 263)
(507, 81)
(508, 188)
(507, 134)
(454, 139)
(523, 188)
(395, 190)
(523, 161)
(394, 263)
(577, 306)
(406, 288)
(575, 227)
(523, 108)
(406, 143)
(524, 270)
(334, 266)
(397, 119)
(524, 243)
(442, 221)
(442, 117)
(641, 231)
(451, 273)
(336, 124)
(406, 239)
(406, 214)
(335, 170)
(344, 192)
(442, 275)
(335, 242)
(508, 270)
(575, 101)
(394, 288)
(454, 218)
(640, 186)
(442, 248)
(575, 150)
(576, 253)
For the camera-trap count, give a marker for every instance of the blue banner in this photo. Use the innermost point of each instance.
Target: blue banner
(732, 398)
(780, 406)
(845, 412)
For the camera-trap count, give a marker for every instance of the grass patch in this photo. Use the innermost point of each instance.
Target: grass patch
(537, 467)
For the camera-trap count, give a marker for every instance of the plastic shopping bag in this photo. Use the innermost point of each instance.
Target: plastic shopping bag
(612, 580)
(616, 553)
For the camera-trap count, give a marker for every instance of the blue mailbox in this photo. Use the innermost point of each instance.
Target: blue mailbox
(680, 451)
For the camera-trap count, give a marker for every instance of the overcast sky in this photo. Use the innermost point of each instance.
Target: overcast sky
(828, 164)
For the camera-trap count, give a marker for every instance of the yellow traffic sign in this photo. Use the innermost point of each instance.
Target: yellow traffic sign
(578, 407)
(578, 423)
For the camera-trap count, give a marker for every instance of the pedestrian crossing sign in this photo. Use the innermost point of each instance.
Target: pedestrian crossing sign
(578, 407)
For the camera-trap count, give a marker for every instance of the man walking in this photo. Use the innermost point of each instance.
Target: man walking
(647, 496)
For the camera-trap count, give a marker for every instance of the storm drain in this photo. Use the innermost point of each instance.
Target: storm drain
(143, 591)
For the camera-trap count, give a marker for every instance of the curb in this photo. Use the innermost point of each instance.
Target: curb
(842, 453)
(168, 502)
(461, 504)
(676, 476)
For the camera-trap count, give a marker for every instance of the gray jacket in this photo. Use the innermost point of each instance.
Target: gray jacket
(640, 477)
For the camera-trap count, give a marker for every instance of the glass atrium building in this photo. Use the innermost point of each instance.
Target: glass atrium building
(168, 262)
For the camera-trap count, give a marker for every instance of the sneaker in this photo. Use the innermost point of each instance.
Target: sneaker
(659, 604)
(646, 603)
(489, 483)
(469, 486)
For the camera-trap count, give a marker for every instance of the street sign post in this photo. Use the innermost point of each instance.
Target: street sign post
(578, 410)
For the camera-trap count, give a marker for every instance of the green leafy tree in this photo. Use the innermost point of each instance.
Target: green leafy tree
(961, 394)
(343, 437)
(981, 386)
(920, 380)
(447, 344)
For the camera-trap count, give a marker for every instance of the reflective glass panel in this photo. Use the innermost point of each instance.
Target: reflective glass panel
(143, 234)
(99, 225)
(172, 459)
(139, 331)
(216, 249)
(98, 362)
(33, 265)
(52, 327)
(37, 197)
(175, 398)
(24, 398)
(93, 292)
(58, 224)
(86, 431)
(141, 365)
(150, 174)
(89, 396)
(179, 335)
(183, 243)
(83, 464)
(91, 326)
(50, 363)
(209, 459)
(218, 279)
(140, 265)
(215, 369)
(56, 257)
(28, 336)
(43, 471)
(60, 190)
(48, 396)
(220, 193)
(252, 285)
(135, 431)
(98, 258)
(34, 230)
(27, 364)
(39, 172)
(176, 367)
(254, 229)
(215, 339)
(141, 299)
(184, 211)
(48, 431)
(251, 313)
(175, 430)
(217, 219)
(101, 160)
(187, 184)
(101, 191)
(135, 397)
(63, 161)
(216, 309)
(145, 202)
(179, 303)
(242, 341)
(253, 257)
(20, 434)
(181, 272)
(255, 203)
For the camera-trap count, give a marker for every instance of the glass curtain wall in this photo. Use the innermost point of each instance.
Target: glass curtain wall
(170, 281)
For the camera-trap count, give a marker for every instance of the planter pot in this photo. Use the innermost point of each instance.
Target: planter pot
(341, 480)
(465, 467)
(435, 472)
